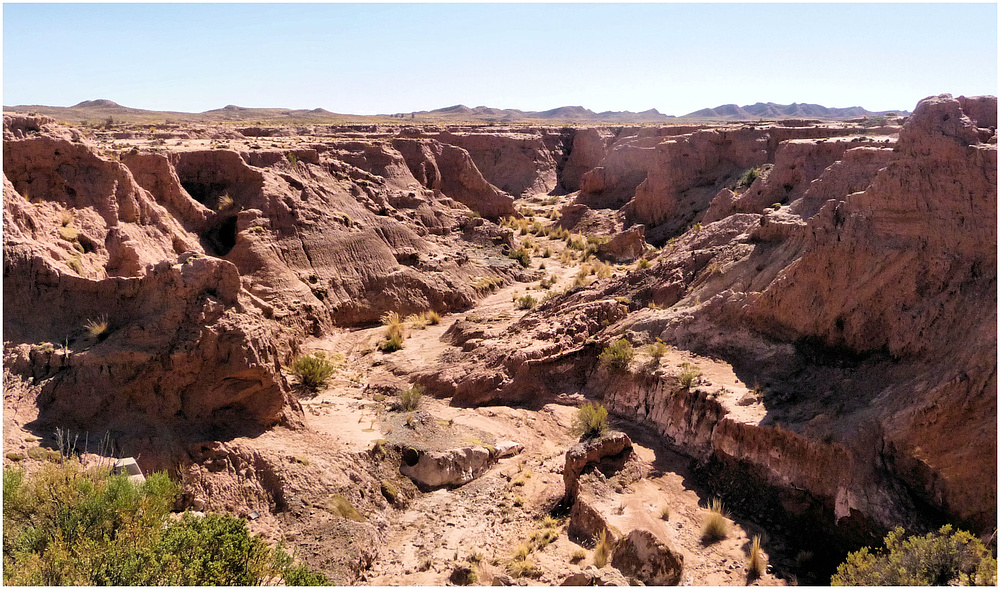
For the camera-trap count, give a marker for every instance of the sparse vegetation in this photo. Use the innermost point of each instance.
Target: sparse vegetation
(578, 555)
(715, 526)
(689, 374)
(97, 329)
(312, 369)
(657, 349)
(945, 557)
(409, 399)
(389, 491)
(748, 177)
(665, 513)
(642, 264)
(393, 333)
(616, 357)
(526, 302)
(433, 317)
(602, 551)
(591, 420)
(340, 505)
(755, 561)
(521, 255)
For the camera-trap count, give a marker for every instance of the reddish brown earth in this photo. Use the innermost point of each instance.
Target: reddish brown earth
(841, 310)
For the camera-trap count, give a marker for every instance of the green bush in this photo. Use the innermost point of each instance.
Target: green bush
(748, 178)
(945, 557)
(617, 356)
(312, 369)
(68, 526)
(522, 256)
(591, 420)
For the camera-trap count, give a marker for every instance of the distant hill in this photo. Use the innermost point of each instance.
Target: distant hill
(561, 114)
(96, 111)
(100, 110)
(770, 110)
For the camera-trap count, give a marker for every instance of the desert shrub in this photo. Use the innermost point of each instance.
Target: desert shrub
(748, 177)
(578, 555)
(409, 399)
(617, 356)
(433, 317)
(657, 349)
(521, 255)
(526, 302)
(945, 557)
(312, 369)
(755, 561)
(664, 513)
(715, 526)
(642, 264)
(67, 526)
(602, 551)
(689, 373)
(301, 575)
(591, 420)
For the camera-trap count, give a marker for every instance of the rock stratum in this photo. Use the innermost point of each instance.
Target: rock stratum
(834, 283)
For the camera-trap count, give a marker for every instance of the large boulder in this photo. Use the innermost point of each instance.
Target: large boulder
(609, 450)
(641, 555)
(448, 468)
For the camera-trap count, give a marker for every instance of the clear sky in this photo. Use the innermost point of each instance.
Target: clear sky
(386, 58)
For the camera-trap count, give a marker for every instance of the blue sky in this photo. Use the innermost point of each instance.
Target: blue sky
(385, 58)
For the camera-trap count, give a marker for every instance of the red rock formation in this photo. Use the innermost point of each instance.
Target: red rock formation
(451, 170)
(517, 163)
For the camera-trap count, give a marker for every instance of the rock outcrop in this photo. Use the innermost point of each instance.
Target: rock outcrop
(641, 555)
(608, 451)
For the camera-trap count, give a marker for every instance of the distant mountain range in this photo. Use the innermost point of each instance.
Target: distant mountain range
(99, 110)
(770, 110)
(563, 113)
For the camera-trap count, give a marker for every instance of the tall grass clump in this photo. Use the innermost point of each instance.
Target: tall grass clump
(393, 333)
(602, 551)
(715, 526)
(755, 561)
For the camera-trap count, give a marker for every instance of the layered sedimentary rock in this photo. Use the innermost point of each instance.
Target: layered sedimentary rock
(149, 288)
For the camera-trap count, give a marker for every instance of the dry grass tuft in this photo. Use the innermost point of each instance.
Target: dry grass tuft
(97, 329)
(602, 551)
(716, 527)
(755, 562)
